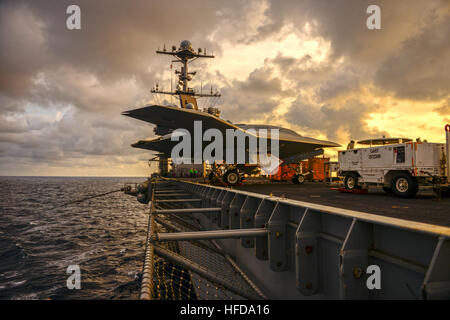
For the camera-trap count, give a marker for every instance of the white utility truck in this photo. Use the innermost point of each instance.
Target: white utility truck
(397, 165)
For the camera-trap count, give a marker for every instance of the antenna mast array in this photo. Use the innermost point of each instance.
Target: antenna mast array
(184, 55)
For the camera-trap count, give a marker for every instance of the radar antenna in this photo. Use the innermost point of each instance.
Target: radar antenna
(184, 55)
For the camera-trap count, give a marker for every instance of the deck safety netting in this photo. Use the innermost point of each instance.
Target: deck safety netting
(183, 281)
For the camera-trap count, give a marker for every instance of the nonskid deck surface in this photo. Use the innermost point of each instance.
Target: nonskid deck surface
(423, 208)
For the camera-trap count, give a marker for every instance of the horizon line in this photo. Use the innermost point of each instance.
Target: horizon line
(56, 176)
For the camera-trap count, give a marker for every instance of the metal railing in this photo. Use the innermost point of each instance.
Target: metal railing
(146, 291)
(299, 250)
(154, 252)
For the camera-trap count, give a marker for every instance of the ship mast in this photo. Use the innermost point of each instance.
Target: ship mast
(184, 55)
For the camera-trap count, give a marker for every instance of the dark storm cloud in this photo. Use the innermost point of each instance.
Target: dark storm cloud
(420, 69)
(409, 58)
(344, 22)
(444, 108)
(304, 72)
(327, 78)
(262, 82)
(254, 97)
(63, 139)
(117, 39)
(106, 67)
(349, 118)
(410, 55)
(11, 126)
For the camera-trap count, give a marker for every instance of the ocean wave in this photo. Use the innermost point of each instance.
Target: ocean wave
(37, 244)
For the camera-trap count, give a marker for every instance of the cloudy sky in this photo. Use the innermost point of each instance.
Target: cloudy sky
(309, 65)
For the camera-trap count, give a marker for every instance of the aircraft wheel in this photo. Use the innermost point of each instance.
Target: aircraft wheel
(404, 186)
(231, 177)
(298, 179)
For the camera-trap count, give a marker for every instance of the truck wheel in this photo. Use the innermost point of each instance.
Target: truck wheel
(404, 186)
(351, 181)
(231, 177)
(298, 179)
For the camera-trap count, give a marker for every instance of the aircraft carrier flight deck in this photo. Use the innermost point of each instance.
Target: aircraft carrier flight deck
(423, 208)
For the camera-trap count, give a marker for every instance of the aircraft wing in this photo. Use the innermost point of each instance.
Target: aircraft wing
(287, 148)
(290, 148)
(174, 117)
(163, 146)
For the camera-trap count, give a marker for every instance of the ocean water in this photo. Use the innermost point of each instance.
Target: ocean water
(105, 237)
